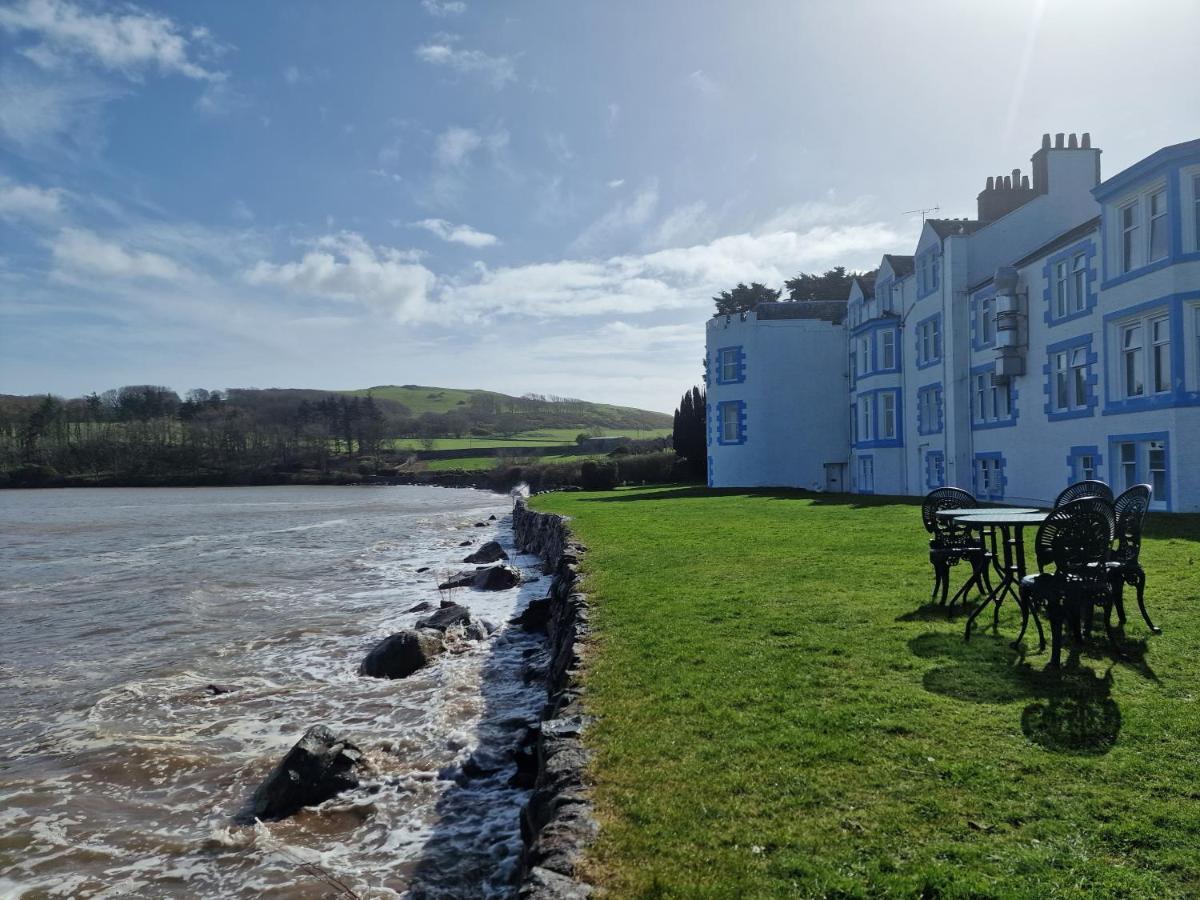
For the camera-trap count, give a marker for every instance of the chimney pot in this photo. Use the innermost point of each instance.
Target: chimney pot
(1073, 141)
(1087, 141)
(1016, 177)
(989, 184)
(1025, 182)
(1046, 141)
(1058, 140)
(1007, 183)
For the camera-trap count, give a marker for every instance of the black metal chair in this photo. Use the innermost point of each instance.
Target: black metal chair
(1076, 539)
(1125, 568)
(950, 542)
(1082, 489)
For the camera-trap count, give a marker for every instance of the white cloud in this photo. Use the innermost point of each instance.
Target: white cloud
(454, 146)
(345, 268)
(291, 75)
(496, 70)
(129, 41)
(83, 254)
(220, 98)
(626, 215)
(443, 8)
(687, 224)
(35, 113)
(26, 201)
(616, 182)
(458, 234)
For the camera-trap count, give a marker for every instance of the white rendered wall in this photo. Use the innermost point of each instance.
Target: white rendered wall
(797, 402)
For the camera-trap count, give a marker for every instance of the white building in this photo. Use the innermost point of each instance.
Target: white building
(1055, 337)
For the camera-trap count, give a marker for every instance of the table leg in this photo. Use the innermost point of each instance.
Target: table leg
(1006, 582)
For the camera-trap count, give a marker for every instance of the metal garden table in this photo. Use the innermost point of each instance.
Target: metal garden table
(1011, 525)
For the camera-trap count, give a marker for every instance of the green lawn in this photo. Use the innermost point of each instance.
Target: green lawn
(543, 437)
(484, 463)
(779, 714)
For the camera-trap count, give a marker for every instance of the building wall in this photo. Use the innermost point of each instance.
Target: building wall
(794, 400)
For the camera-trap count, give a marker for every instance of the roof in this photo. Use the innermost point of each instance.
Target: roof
(866, 281)
(830, 310)
(1055, 243)
(947, 227)
(901, 265)
(1147, 166)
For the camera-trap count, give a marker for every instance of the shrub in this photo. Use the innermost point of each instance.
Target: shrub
(648, 468)
(598, 476)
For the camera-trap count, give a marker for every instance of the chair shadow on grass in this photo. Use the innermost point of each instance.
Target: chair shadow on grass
(1071, 709)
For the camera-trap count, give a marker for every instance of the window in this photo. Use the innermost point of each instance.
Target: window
(1071, 378)
(987, 325)
(1061, 289)
(989, 476)
(1079, 282)
(889, 414)
(1143, 458)
(1000, 405)
(854, 423)
(1157, 458)
(853, 364)
(927, 273)
(929, 409)
(1158, 225)
(1131, 355)
(1087, 467)
(866, 474)
(981, 396)
(731, 365)
(865, 431)
(991, 400)
(864, 356)
(1160, 335)
(1129, 236)
(731, 422)
(929, 341)
(1196, 211)
(887, 344)
(1128, 465)
(935, 469)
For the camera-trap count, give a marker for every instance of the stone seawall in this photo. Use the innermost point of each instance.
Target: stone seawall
(557, 823)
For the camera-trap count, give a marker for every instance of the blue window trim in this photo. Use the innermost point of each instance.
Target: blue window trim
(741, 414)
(710, 422)
(988, 293)
(924, 427)
(1013, 396)
(710, 470)
(1150, 169)
(928, 285)
(1003, 476)
(888, 323)
(1179, 395)
(929, 363)
(1087, 247)
(872, 397)
(935, 469)
(741, 364)
(1093, 379)
(1074, 474)
(858, 488)
(1143, 474)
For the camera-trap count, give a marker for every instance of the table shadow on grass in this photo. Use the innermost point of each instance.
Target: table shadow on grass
(1071, 710)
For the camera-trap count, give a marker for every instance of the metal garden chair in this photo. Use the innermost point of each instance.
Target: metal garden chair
(950, 542)
(1124, 567)
(1076, 539)
(1082, 489)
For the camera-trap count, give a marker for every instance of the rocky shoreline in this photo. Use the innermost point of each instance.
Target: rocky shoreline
(557, 823)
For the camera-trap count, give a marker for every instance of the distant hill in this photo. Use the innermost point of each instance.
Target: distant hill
(537, 411)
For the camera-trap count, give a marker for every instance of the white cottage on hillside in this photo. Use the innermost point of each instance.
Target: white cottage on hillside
(1054, 337)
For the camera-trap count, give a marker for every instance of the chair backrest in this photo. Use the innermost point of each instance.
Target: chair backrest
(1076, 536)
(944, 498)
(1130, 510)
(1082, 489)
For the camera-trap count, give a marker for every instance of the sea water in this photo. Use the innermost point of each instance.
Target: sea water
(161, 649)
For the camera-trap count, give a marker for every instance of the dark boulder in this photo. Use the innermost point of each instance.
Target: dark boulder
(446, 617)
(536, 615)
(489, 553)
(423, 606)
(466, 543)
(481, 524)
(399, 655)
(476, 631)
(492, 518)
(458, 580)
(497, 578)
(218, 689)
(320, 766)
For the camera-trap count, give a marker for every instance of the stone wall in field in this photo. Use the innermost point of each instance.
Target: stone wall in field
(557, 823)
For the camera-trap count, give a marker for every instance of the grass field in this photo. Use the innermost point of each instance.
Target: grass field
(541, 437)
(781, 715)
(484, 463)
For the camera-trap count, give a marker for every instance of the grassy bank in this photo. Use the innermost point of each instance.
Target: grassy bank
(781, 716)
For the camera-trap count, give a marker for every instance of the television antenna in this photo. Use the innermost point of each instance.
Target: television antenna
(928, 209)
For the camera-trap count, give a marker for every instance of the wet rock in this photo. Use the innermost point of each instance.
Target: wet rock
(466, 543)
(476, 631)
(497, 578)
(535, 616)
(422, 569)
(446, 617)
(489, 625)
(399, 655)
(481, 524)
(492, 518)
(423, 606)
(217, 689)
(488, 553)
(458, 580)
(320, 765)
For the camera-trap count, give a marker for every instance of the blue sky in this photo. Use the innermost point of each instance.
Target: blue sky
(526, 196)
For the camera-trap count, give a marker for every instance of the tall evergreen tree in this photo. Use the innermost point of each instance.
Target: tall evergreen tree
(689, 436)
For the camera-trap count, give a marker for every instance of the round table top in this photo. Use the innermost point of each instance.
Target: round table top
(973, 510)
(1004, 517)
